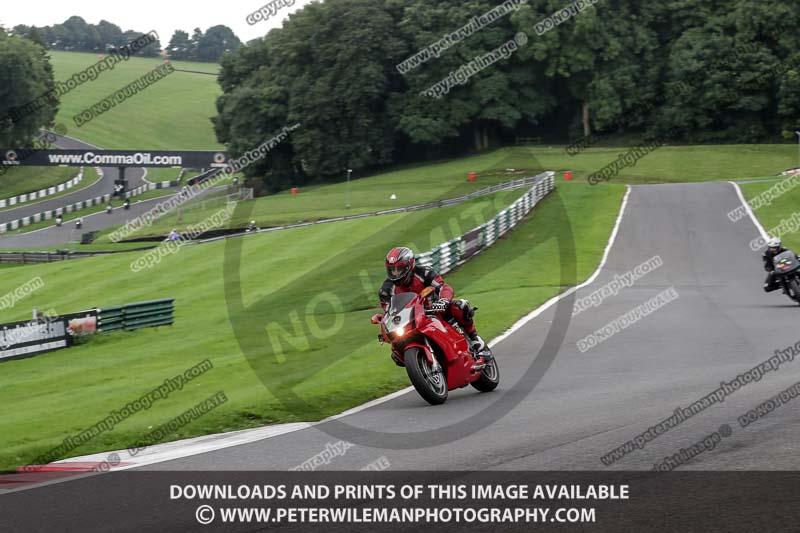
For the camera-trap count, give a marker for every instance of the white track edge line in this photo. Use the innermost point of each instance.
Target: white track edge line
(749, 210)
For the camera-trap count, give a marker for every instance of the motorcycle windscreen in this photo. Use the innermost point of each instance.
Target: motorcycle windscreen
(400, 302)
(786, 262)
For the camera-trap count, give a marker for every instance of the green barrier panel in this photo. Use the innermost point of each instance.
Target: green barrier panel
(149, 323)
(147, 308)
(150, 303)
(137, 315)
(143, 319)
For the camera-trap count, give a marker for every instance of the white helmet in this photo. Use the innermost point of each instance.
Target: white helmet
(774, 242)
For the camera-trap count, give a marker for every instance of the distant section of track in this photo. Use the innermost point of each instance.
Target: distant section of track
(135, 177)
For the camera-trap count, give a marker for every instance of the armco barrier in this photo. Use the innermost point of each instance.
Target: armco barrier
(448, 255)
(507, 186)
(97, 200)
(53, 213)
(137, 315)
(149, 186)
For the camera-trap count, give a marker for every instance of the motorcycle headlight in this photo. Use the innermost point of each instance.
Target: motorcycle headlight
(400, 324)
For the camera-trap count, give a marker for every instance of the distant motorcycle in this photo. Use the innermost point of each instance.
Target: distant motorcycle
(787, 274)
(435, 352)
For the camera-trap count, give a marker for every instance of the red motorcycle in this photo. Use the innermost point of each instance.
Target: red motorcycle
(434, 351)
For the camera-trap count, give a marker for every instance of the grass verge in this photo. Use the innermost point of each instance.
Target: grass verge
(782, 208)
(21, 180)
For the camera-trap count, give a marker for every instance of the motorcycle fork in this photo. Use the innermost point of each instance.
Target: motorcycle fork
(435, 366)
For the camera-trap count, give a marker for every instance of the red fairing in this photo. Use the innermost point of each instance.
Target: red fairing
(455, 348)
(424, 348)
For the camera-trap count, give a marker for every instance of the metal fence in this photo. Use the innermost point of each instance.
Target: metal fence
(103, 199)
(450, 254)
(63, 255)
(507, 186)
(137, 315)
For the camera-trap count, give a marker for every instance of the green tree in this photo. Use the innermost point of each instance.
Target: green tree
(110, 35)
(491, 103)
(179, 46)
(197, 36)
(25, 106)
(326, 71)
(151, 50)
(216, 41)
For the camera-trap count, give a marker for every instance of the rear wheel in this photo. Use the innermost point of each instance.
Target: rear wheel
(430, 384)
(490, 377)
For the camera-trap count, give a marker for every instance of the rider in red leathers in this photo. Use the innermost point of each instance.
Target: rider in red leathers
(402, 275)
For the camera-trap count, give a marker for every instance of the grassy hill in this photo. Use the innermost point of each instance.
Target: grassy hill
(172, 114)
(20, 180)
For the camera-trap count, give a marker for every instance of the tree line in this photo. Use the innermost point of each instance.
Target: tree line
(76, 35)
(718, 71)
(694, 71)
(207, 47)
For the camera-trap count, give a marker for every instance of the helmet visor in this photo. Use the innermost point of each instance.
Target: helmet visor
(397, 271)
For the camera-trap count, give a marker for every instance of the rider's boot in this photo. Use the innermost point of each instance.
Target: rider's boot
(478, 344)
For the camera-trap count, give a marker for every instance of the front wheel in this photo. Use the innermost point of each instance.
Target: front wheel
(490, 377)
(794, 286)
(430, 384)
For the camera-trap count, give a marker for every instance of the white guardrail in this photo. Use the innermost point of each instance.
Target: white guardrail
(102, 199)
(38, 195)
(447, 256)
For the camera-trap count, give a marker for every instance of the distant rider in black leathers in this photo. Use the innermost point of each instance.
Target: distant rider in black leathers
(774, 248)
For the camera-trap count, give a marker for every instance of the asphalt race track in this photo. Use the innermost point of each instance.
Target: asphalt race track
(722, 324)
(54, 236)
